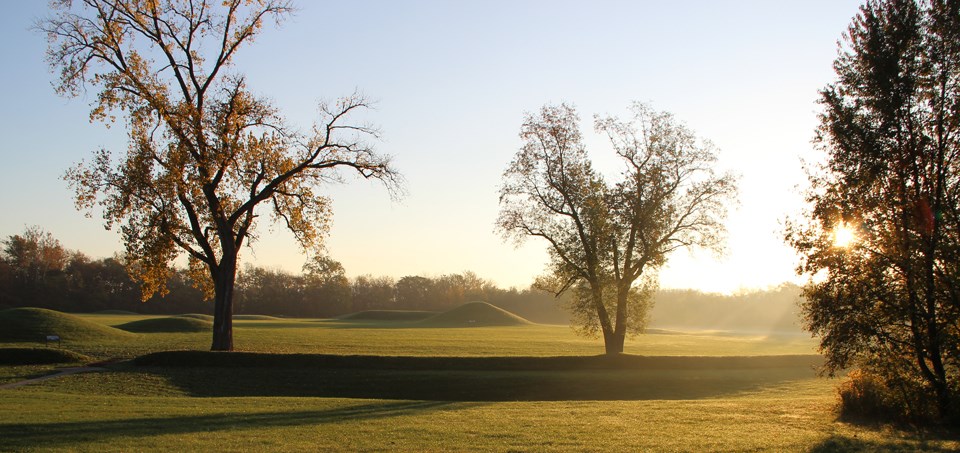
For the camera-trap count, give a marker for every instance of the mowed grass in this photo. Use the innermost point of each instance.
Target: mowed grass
(658, 408)
(790, 417)
(377, 337)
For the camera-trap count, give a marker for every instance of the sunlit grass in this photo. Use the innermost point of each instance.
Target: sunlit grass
(794, 417)
(131, 408)
(387, 338)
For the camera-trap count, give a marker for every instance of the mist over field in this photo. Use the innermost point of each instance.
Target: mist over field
(773, 310)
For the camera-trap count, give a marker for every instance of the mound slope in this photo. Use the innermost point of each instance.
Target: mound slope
(34, 324)
(167, 325)
(39, 356)
(252, 318)
(474, 314)
(115, 312)
(199, 316)
(388, 315)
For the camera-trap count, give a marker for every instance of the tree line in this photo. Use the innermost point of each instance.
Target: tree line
(37, 270)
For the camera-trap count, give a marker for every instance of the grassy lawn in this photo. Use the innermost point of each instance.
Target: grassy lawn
(671, 404)
(391, 338)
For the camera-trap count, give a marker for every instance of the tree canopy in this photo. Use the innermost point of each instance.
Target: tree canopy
(882, 233)
(206, 158)
(607, 240)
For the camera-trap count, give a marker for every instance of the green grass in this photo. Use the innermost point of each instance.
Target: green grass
(449, 392)
(388, 338)
(793, 417)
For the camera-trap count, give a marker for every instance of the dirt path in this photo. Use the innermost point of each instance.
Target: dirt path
(62, 372)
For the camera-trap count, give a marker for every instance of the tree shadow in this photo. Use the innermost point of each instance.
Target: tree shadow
(17, 436)
(470, 385)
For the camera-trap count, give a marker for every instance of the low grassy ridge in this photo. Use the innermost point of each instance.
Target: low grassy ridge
(474, 314)
(469, 378)
(388, 315)
(199, 316)
(348, 385)
(252, 318)
(172, 324)
(35, 324)
(40, 356)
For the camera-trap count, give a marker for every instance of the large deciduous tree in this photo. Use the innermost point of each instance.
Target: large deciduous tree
(206, 157)
(889, 302)
(607, 240)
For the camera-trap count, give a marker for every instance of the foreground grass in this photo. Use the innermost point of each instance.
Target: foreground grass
(794, 416)
(311, 408)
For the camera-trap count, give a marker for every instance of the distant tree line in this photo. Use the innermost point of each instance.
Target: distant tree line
(37, 270)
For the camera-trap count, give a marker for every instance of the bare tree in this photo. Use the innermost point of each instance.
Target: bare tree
(607, 240)
(204, 153)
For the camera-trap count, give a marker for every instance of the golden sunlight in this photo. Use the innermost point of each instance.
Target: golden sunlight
(844, 235)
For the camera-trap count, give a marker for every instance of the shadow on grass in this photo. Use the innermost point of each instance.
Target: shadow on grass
(19, 436)
(454, 385)
(852, 444)
(465, 378)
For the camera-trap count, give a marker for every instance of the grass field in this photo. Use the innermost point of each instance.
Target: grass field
(679, 403)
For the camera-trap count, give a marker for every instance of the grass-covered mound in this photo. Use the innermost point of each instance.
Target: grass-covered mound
(167, 325)
(388, 315)
(34, 324)
(40, 356)
(199, 316)
(474, 314)
(253, 318)
(470, 378)
(115, 312)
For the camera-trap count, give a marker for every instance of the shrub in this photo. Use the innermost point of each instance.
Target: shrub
(870, 397)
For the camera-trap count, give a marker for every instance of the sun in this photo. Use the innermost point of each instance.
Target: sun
(844, 235)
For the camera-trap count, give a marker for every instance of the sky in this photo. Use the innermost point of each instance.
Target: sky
(452, 81)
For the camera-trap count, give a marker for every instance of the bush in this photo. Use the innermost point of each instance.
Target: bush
(864, 397)
(870, 397)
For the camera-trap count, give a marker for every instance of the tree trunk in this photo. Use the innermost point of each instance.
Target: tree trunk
(945, 405)
(613, 342)
(225, 276)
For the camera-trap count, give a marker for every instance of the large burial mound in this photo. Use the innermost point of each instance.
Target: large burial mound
(35, 324)
(388, 315)
(474, 314)
(167, 325)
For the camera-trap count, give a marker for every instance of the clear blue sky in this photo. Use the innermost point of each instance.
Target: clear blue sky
(453, 80)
